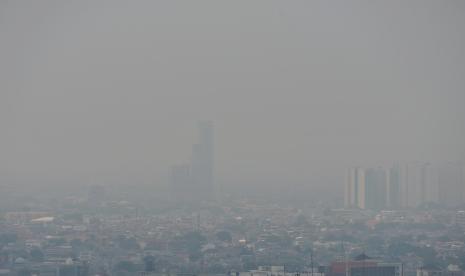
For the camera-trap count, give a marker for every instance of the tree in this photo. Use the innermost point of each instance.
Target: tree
(24, 272)
(224, 236)
(300, 220)
(461, 258)
(8, 238)
(36, 255)
(194, 241)
(57, 241)
(128, 243)
(149, 263)
(399, 248)
(126, 266)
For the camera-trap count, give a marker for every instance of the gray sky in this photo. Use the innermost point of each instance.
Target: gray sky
(298, 90)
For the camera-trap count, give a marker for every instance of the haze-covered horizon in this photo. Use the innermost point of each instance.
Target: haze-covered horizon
(111, 91)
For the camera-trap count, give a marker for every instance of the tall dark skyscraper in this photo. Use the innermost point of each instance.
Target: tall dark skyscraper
(195, 182)
(203, 161)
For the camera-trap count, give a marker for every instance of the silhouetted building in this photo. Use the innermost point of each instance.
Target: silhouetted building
(149, 263)
(420, 184)
(354, 189)
(460, 219)
(431, 270)
(451, 181)
(375, 189)
(195, 182)
(393, 189)
(366, 188)
(362, 265)
(414, 185)
(202, 162)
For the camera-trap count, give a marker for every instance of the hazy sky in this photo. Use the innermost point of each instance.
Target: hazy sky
(298, 90)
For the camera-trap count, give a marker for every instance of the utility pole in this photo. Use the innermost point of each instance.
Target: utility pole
(347, 262)
(311, 259)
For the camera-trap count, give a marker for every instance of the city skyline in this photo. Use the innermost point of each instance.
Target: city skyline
(232, 138)
(298, 92)
(401, 186)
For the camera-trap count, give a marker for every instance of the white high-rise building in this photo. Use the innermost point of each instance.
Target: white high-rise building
(411, 186)
(421, 184)
(375, 188)
(393, 187)
(431, 184)
(366, 188)
(452, 184)
(355, 188)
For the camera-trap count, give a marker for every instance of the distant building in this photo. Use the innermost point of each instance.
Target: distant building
(375, 188)
(418, 188)
(424, 183)
(355, 188)
(194, 182)
(460, 219)
(271, 270)
(362, 265)
(202, 161)
(451, 180)
(434, 271)
(421, 182)
(410, 186)
(21, 217)
(393, 188)
(366, 188)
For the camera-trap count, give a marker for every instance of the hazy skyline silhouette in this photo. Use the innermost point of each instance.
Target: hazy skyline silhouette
(111, 91)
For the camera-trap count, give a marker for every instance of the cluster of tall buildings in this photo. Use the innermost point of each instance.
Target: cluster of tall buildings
(408, 186)
(194, 181)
